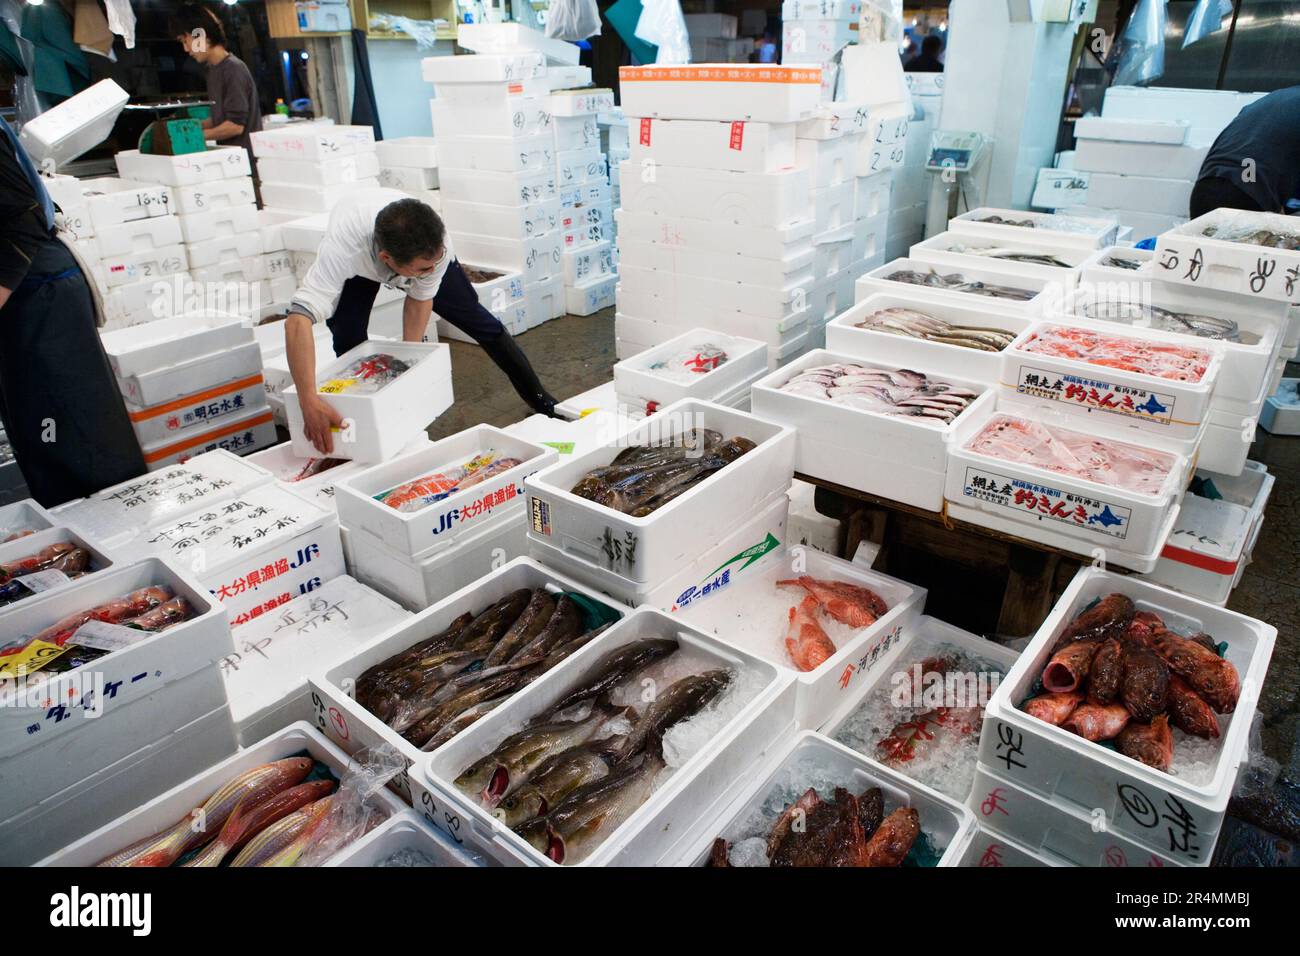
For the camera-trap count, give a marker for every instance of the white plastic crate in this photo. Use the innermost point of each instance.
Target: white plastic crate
(114, 201)
(762, 200)
(841, 444)
(52, 580)
(956, 250)
(1047, 294)
(990, 850)
(634, 379)
(1176, 815)
(1075, 231)
(321, 172)
(231, 221)
(384, 422)
(506, 222)
(718, 264)
(140, 235)
(310, 199)
(24, 516)
(1186, 254)
(646, 549)
(678, 806)
(404, 832)
(535, 257)
(739, 91)
(1279, 417)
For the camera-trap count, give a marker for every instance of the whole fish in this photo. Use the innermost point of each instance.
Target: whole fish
(718, 854)
(444, 713)
(1069, 666)
(555, 778)
(1106, 673)
(871, 810)
(616, 668)
(1145, 688)
(462, 720)
(798, 812)
(1097, 721)
(562, 626)
(526, 627)
(891, 843)
(252, 815)
(368, 679)
(283, 842)
(488, 627)
(806, 642)
(850, 604)
(959, 283)
(683, 699)
(1054, 708)
(205, 822)
(828, 833)
(1108, 617)
(1212, 677)
(1152, 744)
(1189, 712)
(1012, 255)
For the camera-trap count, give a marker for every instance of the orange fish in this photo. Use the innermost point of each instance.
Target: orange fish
(1053, 708)
(806, 642)
(848, 603)
(1097, 721)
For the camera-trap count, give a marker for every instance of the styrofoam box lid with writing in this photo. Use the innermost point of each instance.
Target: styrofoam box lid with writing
(1209, 529)
(732, 91)
(1196, 254)
(78, 124)
(117, 514)
(482, 68)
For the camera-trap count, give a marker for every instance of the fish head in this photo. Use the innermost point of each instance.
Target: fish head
(539, 834)
(520, 807)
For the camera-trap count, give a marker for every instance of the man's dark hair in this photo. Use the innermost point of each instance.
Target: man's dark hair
(932, 45)
(409, 229)
(193, 17)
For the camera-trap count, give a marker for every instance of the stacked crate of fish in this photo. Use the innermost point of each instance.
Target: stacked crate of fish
(1116, 738)
(700, 363)
(715, 229)
(438, 517)
(816, 32)
(497, 172)
(410, 163)
(192, 384)
(309, 168)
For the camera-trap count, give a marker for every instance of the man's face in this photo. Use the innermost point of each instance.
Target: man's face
(417, 268)
(196, 44)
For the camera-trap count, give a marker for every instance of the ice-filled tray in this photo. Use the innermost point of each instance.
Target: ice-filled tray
(1040, 258)
(1252, 254)
(1018, 224)
(1032, 295)
(405, 840)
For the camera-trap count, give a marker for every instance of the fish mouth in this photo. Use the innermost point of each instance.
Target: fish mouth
(554, 846)
(1058, 678)
(496, 787)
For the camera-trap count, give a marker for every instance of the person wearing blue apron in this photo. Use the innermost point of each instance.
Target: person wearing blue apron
(60, 405)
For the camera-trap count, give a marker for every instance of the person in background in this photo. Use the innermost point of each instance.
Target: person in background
(765, 49)
(384, 236)
(236, 113)
(1255, 162)
(927, 61)
(61, 408)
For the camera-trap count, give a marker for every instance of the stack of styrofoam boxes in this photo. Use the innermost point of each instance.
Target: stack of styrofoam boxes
(586, 208)
(1051, 790)
(614, 141)
(713, 39)
(419, 556)
(1143, 154)
(410, 164)
(191, 384)
(716, 228)
(309, 168)
(816, 31)
(496, 158)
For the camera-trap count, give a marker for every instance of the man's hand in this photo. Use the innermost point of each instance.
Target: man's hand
(318, 418)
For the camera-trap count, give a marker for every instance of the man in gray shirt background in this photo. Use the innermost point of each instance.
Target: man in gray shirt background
(235, 110)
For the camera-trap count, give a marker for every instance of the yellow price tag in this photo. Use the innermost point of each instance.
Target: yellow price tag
(336, 385)
(30, 659)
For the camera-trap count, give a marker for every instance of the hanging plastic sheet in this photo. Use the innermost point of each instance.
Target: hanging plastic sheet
(423, 32)
(121, 20)
(1206, 18)
(663, 25)
(623, 16)
(572, 20)
(1139, 56)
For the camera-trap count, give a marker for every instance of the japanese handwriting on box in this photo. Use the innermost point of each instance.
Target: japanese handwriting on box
(619, 549)
(1010, 746)
(1179, 824)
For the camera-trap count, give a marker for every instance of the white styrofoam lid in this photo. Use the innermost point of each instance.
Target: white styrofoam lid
(75, 126)
(1211, 526)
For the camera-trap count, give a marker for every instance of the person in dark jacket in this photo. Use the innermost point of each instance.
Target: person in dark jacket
(1255, 162)
(927, 61)
(236, 112)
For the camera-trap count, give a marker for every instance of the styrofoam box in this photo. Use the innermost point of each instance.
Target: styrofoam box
(571, 77)
(320, 172)
(815, 41)
(581, 265)
(312, 142)
(144, 264)
(711, 144)
(115, 242)
(1167, 197)
(115, 201)
(417, 534)
(309, 198)
(589, 297)
(492, 94)
(405, 832)
(219, 223)
(510, 38)
(1047, 293)
(746, 359)
(220, 162)
(830, 161)
(838, 443)
(576, 132)
(167, 341)
(635, 324)
(844, 336)
(32, 544)
(304, 233)
(411, 179)
(682, 294)
(833, 212)
(809, 757)
(285, 466)
(1100, 266)
(220, 194)
(497, 153)
(831, 120)
(1162, 406)
(955, 250)
(1170, 132)
(1060, 230)
(575, 166)
(165, 809)
(506, 222)
(170, 382)
(351, 726)
(213, 251)
(25, 515)
(1278, 417)
(422, 582)
(545, 300)
(1048, 833)
(990, 850)
(1245, 366)
(739, 91)
(595, 193)
(1209, 548)
(722, 265)
(499, 293)
(500, 189)
(1189, 255)
(580, 102)
(535, 257)
(580, 526)
(1107, 156)
(275, 370)
(584, 225)
(647, 836)
(1230, 432)
(264, 676)
(517, 117)
(197, 412)
(482, 68)
(75, 126)
(687, 232)
(1135, 225)
(832, 258)
(1178, 815)
(165, 658)
(873, 74)
(1128, 527)
(416, 151)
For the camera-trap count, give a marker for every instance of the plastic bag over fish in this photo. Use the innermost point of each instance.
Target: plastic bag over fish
(365, 376)
(352, 813)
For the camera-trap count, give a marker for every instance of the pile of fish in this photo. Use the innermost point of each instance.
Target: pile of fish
(1119, 262)
(1011, 255)
(1255, 237)
(685, 366)
(478, 276)
(577, 771)
(60, 648)
(312, 468)
(366, 375)
(266, 816)
(919, 325)
(1154, 317)
(1177, 363)
(1002, 221)
(845, 831)
(436, 688)
(1066, 452)
(807, 642)
(643, 478)
(899, 392)
(956, 282)
(63, 556)
(424, 491)
(1117, 673)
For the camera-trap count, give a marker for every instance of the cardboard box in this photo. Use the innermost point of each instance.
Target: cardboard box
(742, 91)
(329, 171)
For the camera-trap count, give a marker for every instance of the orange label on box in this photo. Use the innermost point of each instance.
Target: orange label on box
(738, 136)
(720, 74)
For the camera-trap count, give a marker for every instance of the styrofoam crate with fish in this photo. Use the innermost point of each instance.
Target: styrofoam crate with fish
(311, 478)
(336, 687)
(1097, 493)
(241, 782)
(835, 796)
(1044, 258)
(839, 436)
(405, 840)
(425, 499)
(701, 713)
(701, 363)
(1078, 231)
(1177, 810)
(1055, 835)
(918, 710)
(1252, 254)
(826, 619)
(23, 518)
(46, 561)
(1250, 332)
(990, 850)
(941, 336)
(1122, 264)
(719, 448)
(979, 284)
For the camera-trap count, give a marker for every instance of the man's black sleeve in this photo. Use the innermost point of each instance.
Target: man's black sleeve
(22, 222)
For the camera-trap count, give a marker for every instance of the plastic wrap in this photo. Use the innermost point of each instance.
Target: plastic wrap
(1139, 56)
(423, 32)
(572, 20)
(663, 25)
(351, 812)
(1206, 18)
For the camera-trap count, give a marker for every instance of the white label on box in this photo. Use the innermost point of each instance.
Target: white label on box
(39, 581)
(1059, 188)
(103, 636)
(1028, 498)
(1080, 392)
